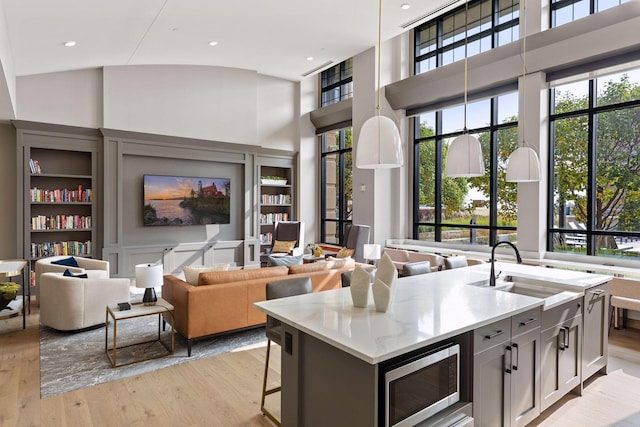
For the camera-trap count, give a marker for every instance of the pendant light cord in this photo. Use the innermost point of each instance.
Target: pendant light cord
(466, 19)
(524, 71)
(379, 48)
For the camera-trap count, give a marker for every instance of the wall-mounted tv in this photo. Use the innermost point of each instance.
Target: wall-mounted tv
(182, 200)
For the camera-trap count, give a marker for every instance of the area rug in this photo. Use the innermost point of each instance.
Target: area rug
(73, 360)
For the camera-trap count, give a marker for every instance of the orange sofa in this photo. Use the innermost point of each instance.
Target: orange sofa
(223, 300)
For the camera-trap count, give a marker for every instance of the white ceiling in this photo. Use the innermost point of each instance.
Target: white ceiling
(272, 37)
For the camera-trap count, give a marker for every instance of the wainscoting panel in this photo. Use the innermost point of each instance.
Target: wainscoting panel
(175, 257)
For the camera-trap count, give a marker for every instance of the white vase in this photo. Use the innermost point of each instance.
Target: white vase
(381, 295)
(360, 285)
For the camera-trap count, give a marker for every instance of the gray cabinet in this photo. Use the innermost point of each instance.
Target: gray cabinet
(525, 381)
(490, 385)
(506, 362)
(595, 330)
(561, 352)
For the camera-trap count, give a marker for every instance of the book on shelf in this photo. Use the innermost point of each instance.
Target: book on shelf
(270, 218)
(47, 249)
(276, 199)
(34, 165)
(60, 222)
(266, 239)
(61, 195)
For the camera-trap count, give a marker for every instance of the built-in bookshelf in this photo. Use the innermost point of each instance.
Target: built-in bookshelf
(60, 203)
(276, 200)
(58, 184)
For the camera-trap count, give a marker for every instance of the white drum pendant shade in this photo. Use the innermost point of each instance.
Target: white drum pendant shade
(464, 159)
(379, 145)
(523, 166)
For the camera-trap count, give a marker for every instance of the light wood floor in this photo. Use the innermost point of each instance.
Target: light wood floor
(225, 390)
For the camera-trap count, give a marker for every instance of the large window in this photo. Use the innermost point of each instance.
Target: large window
(594, 204)
(466, 210)
(564, 11)
(491, 23)
(337, 83)
(336, 181)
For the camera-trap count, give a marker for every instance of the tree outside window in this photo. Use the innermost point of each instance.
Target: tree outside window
(595, 130)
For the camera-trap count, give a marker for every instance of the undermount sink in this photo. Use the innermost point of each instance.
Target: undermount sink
(527, 290)
(551, 293)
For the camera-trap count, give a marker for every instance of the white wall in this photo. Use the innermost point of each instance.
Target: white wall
(380, 197)
(71, 98)
(212, 103)
(277, 113)
(309, 162)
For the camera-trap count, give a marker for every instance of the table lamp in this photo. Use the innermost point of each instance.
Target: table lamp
(372, 252)
(149, 276)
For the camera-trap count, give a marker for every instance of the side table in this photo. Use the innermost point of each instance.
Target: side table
(11, 268)
(137, 310)
(307, 258)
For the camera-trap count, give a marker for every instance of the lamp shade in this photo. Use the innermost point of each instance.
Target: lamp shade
(379, 145)
(371, 251)
(149, 275)
(464, 159)
(523, 165)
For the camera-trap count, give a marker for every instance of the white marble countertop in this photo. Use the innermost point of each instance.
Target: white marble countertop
(425, 309)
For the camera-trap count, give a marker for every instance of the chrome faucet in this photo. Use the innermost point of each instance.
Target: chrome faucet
(492, 277)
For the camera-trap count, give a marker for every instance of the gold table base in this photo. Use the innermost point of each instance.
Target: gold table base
(137, 310)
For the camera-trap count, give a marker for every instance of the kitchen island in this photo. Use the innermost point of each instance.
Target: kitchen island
(332, 351)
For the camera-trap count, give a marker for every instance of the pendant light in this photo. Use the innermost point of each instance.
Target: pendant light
(464, 158)
(523, 164)
(379, 145)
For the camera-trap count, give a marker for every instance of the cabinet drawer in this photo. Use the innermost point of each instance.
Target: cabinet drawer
(561, 313)
(524, 322)
(491, 335)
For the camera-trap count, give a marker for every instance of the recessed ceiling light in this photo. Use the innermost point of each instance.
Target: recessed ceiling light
(309, 58)
(70, 43)
(213, 43)
(405, 6)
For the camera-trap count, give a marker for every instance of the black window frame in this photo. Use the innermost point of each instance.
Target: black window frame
(494, 31)
(438, 225)
(557, 5)
(342, 204)
(590, 233)
(344, 83)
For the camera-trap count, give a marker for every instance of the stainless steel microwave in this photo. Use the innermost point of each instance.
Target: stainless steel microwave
(422, 386)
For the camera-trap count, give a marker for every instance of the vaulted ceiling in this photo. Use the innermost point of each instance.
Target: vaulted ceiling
(273, 37)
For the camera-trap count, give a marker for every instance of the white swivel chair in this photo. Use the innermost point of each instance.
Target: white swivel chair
(99, 267)
(72, 303)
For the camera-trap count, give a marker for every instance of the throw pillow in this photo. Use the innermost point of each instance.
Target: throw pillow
(68, 262)
(344, 253)
(342, 262)
(192, 272)
(284, 260)
(283, 246)
(68, 273)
